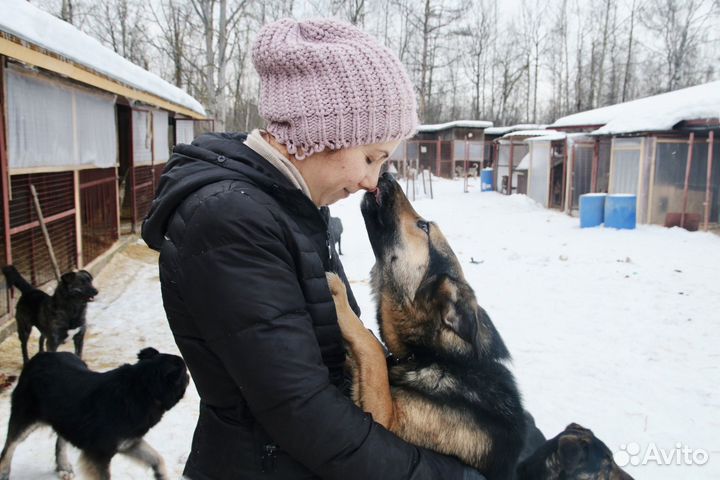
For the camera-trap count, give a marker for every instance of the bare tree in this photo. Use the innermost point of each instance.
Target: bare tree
(174, 22)
(475, 36)
(218, 21)
(534, 35)
(429, 24)
(351, 10)
(682, 28)
(122, 25)
(629, 57)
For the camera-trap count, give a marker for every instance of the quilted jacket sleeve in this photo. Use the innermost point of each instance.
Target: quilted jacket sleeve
(240, 283)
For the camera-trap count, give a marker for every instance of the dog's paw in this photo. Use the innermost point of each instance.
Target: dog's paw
(66, 474)
(337, 287)
(338, 291)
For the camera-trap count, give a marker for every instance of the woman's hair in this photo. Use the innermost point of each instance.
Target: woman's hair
(327, 84)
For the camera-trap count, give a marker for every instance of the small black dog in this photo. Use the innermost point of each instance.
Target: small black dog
(99, 413)
(53, 315)
(335, 230)
(574, 454)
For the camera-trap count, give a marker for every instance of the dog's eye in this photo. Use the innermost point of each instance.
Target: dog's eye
(424, 226)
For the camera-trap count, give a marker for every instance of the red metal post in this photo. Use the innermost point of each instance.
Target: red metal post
(572, 175)
(496, 147)
(465, 165)
(691, 141)
(131, 177)
(438, 157)
(4, 168)
(711, 140)
(510, 168)
(595, 166)
(563, 198)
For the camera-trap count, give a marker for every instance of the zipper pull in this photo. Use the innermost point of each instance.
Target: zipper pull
(267, 462)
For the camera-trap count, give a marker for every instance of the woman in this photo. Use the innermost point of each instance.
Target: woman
(241, 226)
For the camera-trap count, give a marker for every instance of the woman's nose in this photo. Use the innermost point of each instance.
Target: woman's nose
(370, 181)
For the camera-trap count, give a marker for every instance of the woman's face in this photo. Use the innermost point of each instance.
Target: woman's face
(335, 174)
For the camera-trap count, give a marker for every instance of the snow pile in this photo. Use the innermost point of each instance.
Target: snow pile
(39, 28)
(614, 329)
(656, 113)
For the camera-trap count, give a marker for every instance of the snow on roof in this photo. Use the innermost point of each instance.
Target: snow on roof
(39, 28)
(532, 133)
(657, 113)
(524, 163)
(512, 128)
(457, 123)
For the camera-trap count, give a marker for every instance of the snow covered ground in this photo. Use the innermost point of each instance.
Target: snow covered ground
(615, 330)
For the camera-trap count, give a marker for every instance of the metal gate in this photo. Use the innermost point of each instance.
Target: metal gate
(57, 199)
(98, 211)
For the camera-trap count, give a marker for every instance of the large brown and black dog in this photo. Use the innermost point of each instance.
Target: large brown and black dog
(445, 386)
(447, 389)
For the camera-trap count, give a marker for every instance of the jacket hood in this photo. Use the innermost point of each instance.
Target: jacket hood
(210, 158)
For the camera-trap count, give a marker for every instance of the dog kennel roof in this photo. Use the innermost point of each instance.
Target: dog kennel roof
(656, 113)
(456, 124)
(511, 128)
(38, 30)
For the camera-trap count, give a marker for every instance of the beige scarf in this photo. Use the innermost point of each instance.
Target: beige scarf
(261, 146)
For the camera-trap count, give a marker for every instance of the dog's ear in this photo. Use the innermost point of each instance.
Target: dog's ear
(147, 353)
(470, 322)
(88, 274)
(571, 451)
(461, 320)
(68, 277)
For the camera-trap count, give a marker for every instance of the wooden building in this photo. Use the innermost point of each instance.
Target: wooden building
(88, 131)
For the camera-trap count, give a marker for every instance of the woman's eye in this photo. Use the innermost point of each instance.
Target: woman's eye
(425, 226)
(368, 160)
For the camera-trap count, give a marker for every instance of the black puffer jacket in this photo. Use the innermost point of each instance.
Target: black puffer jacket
(243, 257)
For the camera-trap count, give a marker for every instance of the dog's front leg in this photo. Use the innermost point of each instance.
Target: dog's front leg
(146, 455)
(95, 467)
(78, 340)
(370, 374)
(62, 464)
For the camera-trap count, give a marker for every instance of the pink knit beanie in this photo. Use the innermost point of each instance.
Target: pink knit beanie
(327, 84)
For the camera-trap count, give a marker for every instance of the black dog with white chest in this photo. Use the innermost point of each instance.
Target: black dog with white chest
(99, 413)
(54, 315)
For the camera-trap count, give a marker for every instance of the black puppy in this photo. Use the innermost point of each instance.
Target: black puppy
(574, 454)
(53, 315)
(335, 230)
(99, 413)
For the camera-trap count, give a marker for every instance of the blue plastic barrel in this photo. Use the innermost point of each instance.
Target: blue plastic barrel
(592, 209)
(620, 211)
(486, 180)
